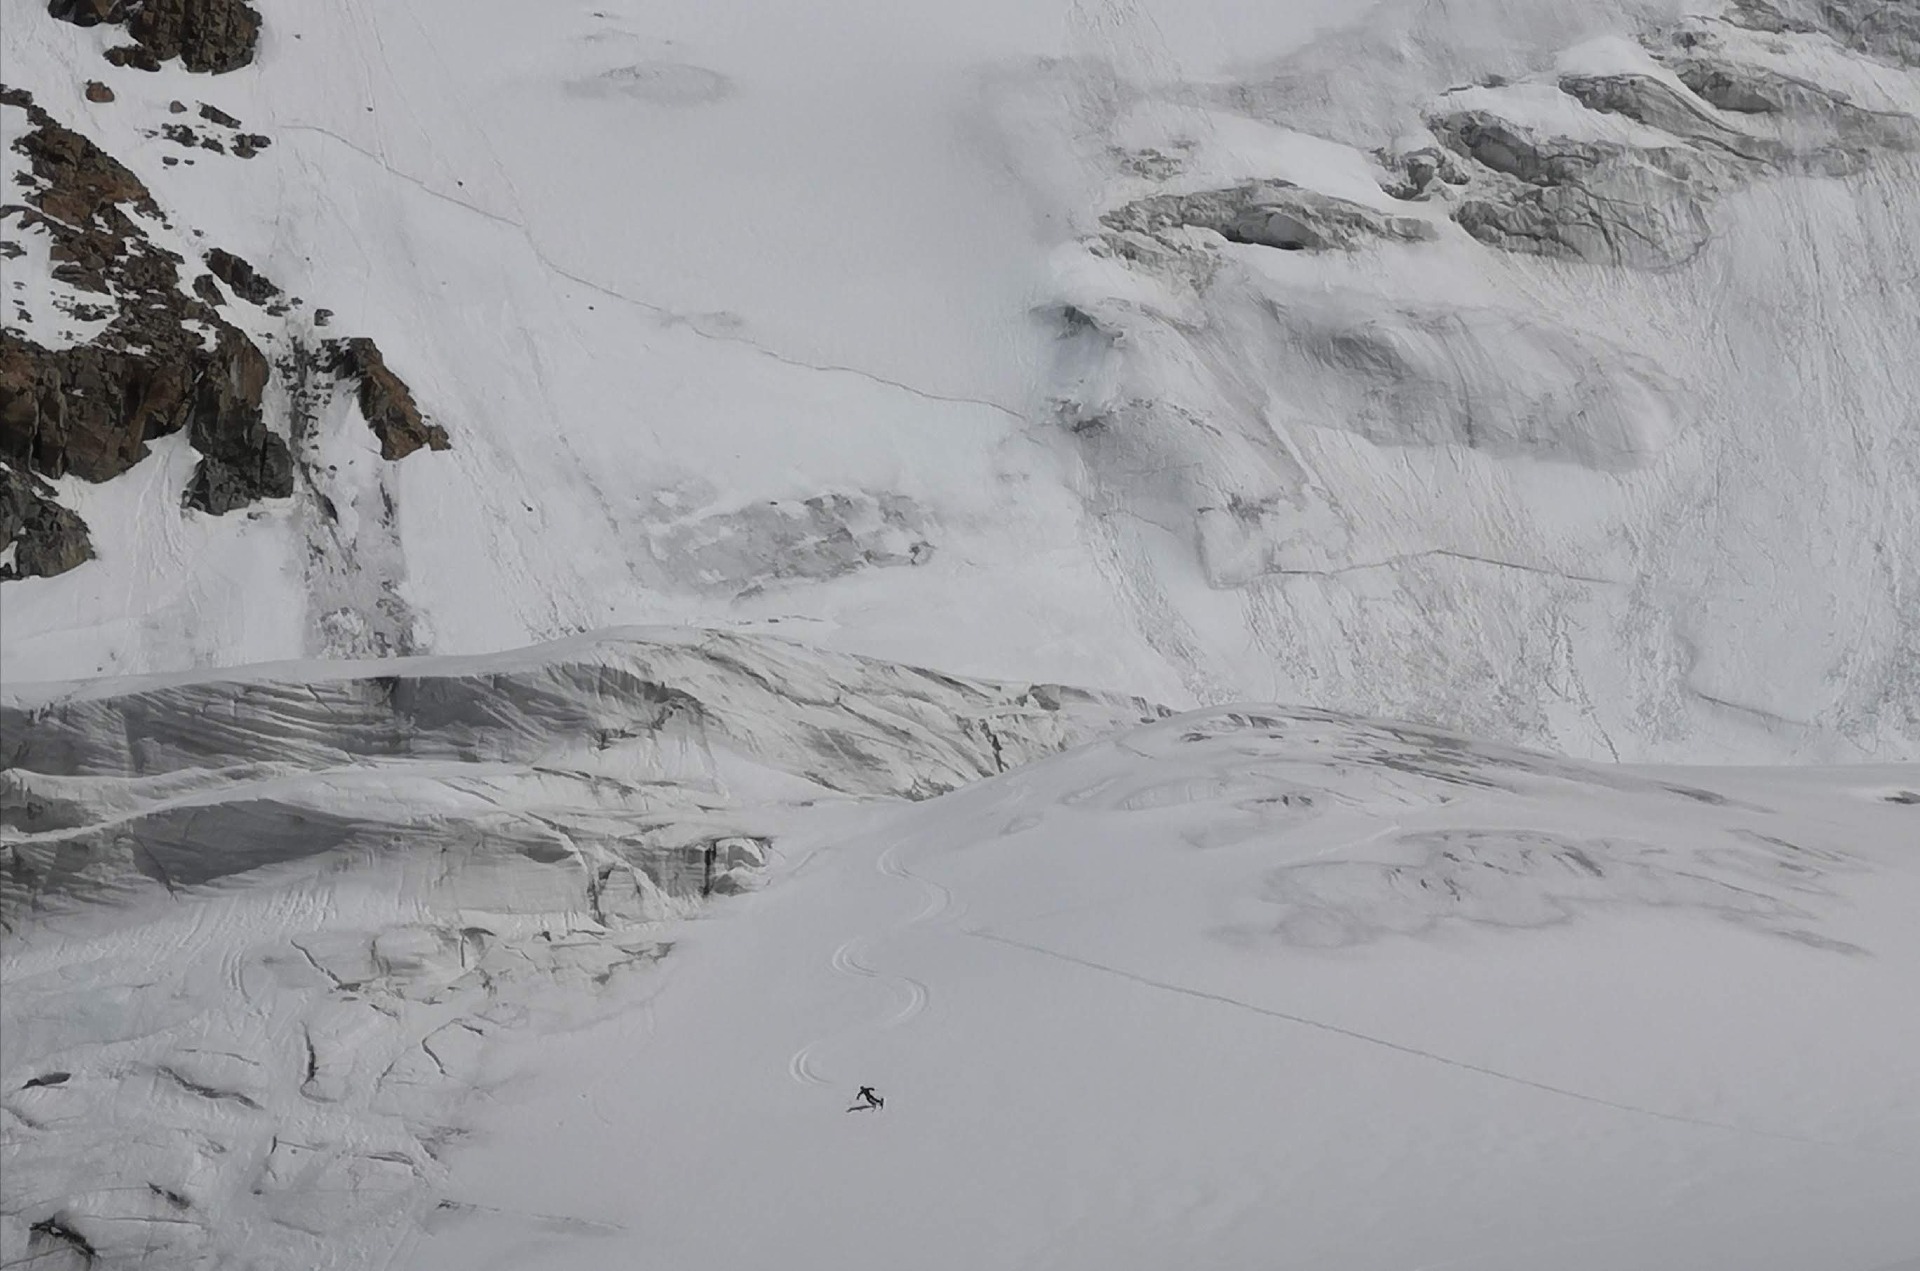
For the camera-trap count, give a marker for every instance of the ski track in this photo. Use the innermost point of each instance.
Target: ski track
(848, 959)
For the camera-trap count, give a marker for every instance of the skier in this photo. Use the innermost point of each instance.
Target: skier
(867, 1100)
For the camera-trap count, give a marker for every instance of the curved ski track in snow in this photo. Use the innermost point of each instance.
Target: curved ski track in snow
(849, 960)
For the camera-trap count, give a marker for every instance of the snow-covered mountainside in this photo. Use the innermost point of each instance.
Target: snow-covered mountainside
(482, 481)
(1537, 368)
(368, 965)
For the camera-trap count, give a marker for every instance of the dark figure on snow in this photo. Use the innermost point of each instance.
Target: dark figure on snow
(866, 1100)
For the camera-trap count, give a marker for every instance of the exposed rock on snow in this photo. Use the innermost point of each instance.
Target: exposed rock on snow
(38, 537)
(249, 285)
(206, 35)
(164, 362)
(385, 400)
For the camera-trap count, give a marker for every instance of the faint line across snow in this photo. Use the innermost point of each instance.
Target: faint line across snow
(669, 317)
(1466, 1065)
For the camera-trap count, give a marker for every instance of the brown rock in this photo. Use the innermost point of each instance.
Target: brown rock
(246, 282)
(385, 399)
(89, 410)
(133, 57)
(98, 92)
(207, 35)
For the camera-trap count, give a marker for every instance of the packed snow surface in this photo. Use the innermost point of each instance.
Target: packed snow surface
(833, 320)
(363, 965)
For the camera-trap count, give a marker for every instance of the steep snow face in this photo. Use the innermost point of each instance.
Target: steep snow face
(1539, 368)
(308, 902)
(367, 965)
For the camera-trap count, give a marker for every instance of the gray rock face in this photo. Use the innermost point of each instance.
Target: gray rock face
(1274, 214)
(45, 539)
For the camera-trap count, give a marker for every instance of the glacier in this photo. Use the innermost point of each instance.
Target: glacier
(1294, 627)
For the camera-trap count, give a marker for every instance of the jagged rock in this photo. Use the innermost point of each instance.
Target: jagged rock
(385, 399)
(246, 282)
(83, 181)
(85, 410)
(98, 93)
(133, 57)
(42, 537)
(244, 460)
(219, 487)
(1268, 214)
(214, 115)
(89, 409)
(206, 35)
(248, 144)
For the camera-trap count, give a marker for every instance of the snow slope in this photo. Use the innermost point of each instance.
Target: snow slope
(799, 318)
(368, 965)
(261, 932)
(1261, 988)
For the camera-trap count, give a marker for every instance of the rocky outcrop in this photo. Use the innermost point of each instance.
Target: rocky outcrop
(1274, 214)
(247, 283)
(38, 537)
(385, 400)
(242, 460)
(206, 35)
(166, 361)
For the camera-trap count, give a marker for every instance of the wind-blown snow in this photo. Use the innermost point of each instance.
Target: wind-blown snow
(752, 316)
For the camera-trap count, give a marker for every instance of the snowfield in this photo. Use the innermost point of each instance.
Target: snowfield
(368, 965)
